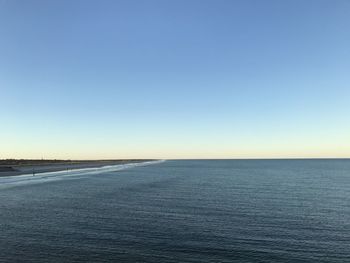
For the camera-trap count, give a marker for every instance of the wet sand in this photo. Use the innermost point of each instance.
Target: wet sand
(14, 170)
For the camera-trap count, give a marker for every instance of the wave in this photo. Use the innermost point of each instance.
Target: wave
(68, 174)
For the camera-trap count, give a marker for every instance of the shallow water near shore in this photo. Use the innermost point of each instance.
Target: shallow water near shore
(180, 211)
(65, 174)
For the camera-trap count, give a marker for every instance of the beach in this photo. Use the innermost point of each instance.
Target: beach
(16, 167)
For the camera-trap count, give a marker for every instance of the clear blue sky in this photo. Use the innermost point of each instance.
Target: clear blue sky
(174, 79)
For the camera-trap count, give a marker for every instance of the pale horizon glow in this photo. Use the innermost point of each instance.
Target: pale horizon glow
(194, 79)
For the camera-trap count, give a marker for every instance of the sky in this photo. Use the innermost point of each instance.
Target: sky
(174, 79)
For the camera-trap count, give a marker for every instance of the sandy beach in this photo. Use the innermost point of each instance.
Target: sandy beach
(42, 166)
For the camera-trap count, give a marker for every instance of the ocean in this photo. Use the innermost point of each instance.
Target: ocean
(180, 211)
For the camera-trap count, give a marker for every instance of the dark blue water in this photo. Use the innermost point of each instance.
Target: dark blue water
(183, 211)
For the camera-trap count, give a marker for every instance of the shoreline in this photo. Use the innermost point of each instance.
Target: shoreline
(37, 168)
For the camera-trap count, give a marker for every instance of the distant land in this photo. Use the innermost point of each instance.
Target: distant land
(12, 167)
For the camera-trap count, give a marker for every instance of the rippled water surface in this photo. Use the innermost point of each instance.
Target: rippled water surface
(181, 211)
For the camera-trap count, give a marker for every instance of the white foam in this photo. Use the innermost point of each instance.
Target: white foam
(67, 174)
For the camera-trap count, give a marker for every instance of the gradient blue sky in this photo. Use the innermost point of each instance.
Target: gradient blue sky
(174, 79)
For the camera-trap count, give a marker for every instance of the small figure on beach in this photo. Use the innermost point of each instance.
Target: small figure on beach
(33, 172)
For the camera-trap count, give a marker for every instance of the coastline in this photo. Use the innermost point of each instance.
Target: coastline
(46, 166)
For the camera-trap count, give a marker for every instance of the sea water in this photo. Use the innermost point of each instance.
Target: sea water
(180, 211)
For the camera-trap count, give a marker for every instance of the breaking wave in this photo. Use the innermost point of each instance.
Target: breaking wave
(68, 174)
